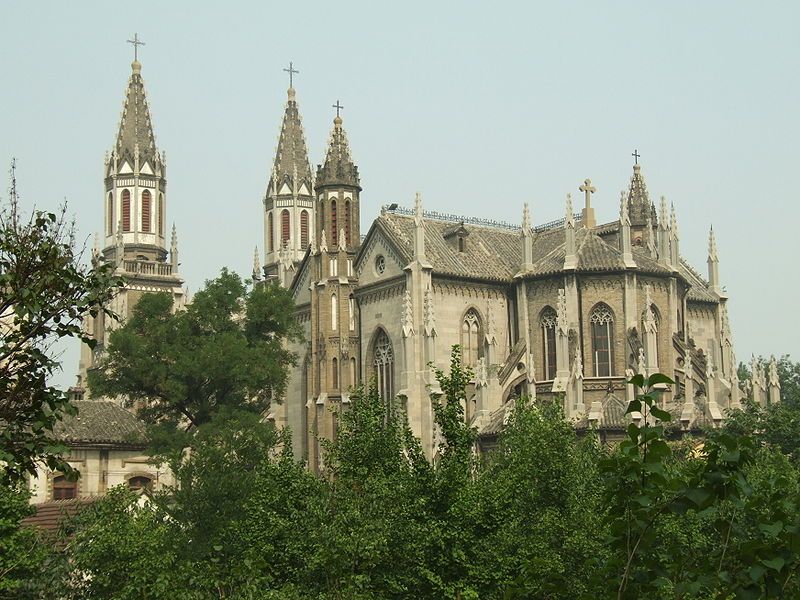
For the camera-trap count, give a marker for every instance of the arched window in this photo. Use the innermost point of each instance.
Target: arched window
(126, 210)
(146, 211)
(304, 229)
(334, 223)
(110, 213)
(352, 370)
(270, 233)
(602, 323)
(140, 482)
(470, 344)
(285, 230)
(334, 312)
(64, 489)
(383, 362)
(161, 215)
(347, 222)
(351, 312)
(548, 323)
(335, 373)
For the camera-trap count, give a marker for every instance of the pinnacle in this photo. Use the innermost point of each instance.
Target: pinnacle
(291, 155)
(135, 133)
(338, 168)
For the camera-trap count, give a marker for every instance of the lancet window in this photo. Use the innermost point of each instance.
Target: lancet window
(383, 363)
(304, 229)
(270, 233)
(146, 210)
(347, 222)
(602, 326)
(334, 222)
(126, 210)
(161, 215)
(470, 338)
(110, 213)
(285, 227)
(548, 324)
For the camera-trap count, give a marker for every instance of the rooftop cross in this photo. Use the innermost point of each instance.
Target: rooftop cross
(338, 107)
(636, 156)
(588, 189)
(136, 43)
(291, 71)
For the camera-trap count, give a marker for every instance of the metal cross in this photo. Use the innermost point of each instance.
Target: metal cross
(136, 43)
(337, 106)
(588, 189)
(636, 156)
(291, 71)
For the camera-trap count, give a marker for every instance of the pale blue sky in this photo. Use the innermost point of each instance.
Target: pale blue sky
(479, 106)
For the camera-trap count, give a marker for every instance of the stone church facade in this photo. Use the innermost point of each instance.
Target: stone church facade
(568, 310)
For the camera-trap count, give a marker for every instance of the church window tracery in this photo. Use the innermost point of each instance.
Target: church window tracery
(383, 363)
(602, 326)
(470, 338)
(380, 265)
(285, 228)
(126, 210)
(270, 233)
(548, 324)
(304, 229)
(146, 208)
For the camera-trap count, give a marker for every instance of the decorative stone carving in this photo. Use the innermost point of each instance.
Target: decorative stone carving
(407, 319)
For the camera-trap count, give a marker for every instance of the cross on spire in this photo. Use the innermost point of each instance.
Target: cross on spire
(338, 107)
(291, 71)
(636, 156)
(136, 43)
(588, 189)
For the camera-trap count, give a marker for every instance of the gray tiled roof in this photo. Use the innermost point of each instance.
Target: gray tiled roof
(699, 291)
(101, 422)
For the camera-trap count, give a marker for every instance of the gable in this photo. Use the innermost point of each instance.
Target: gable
(378, 259)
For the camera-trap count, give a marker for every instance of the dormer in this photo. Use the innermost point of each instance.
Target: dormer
(457, 237)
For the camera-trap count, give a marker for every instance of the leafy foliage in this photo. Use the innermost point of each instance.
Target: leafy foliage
(46, 294)
(224, 351)
(21, 554)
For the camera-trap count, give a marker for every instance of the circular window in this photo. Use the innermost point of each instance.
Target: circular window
(380, 265)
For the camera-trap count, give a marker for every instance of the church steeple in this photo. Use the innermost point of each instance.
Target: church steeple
(135, 182)
(338, 187)
(639, 205)
(289, 200)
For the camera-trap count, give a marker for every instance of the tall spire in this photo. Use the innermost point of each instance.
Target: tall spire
(135, 135)
(674, 239)
(713, 263)
(291, 165)
(338, 168)
(570, 258)
(625, 232)
(639, 204)
(664, 255)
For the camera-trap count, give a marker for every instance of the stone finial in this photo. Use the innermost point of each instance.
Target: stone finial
(712, 245)
(624, 214)
(570, 259)
(662, 214)
(407, 319)
(481, 373)
(526, 220)
(323, 242)
(651, 241)
(342, 240)
(418, 214)
(429, 318)
(256, 265)
(173, 249)
(569, 220)
(577, 364)
(561, 312)
(312, 245)
(673, 221)
(419, 229)
(774, 380)
(588, 212)
(96, 250)
(120, 245)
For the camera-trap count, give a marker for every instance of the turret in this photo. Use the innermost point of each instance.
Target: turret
(338, 187)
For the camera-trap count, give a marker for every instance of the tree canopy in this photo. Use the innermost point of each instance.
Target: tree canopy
(226, 350)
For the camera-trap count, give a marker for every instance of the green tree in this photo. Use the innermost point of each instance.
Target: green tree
(46, 292)
(788, 375)
(226, 350)
(22, 554)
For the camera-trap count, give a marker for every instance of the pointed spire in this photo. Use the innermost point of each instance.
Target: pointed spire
(135, 138)
(419, 228)
(651, 237)
(526, 220)
(664, 254)
(638, 198)
(625, 232)
(291, 164)
(338, 168)
(674, 239)
(173, 249)
(323, 242)
(256, 266)
(570, 258)
(713, 263)
(527, 239)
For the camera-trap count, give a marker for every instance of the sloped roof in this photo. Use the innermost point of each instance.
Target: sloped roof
(136, 128)
(101, 422)
(292, 154)
(699, 292)
(49, 515)
(338, 167)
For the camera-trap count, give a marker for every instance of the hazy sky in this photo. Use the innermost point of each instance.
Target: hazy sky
(479, 106)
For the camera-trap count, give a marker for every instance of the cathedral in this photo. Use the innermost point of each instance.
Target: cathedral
(565, 311)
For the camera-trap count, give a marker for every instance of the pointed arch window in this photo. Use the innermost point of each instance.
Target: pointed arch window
(147, 200)
(161, 215)
(126, 210)
(347, 222)
(352, 370)
(383, 363)
(470, 338)
(548, 324)
(601, 320)
(351, 312)
(304, 229)
(335, 373)
(334, 222)
(110, 209)
(285, 227)
(334, 311)
(270, 233)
